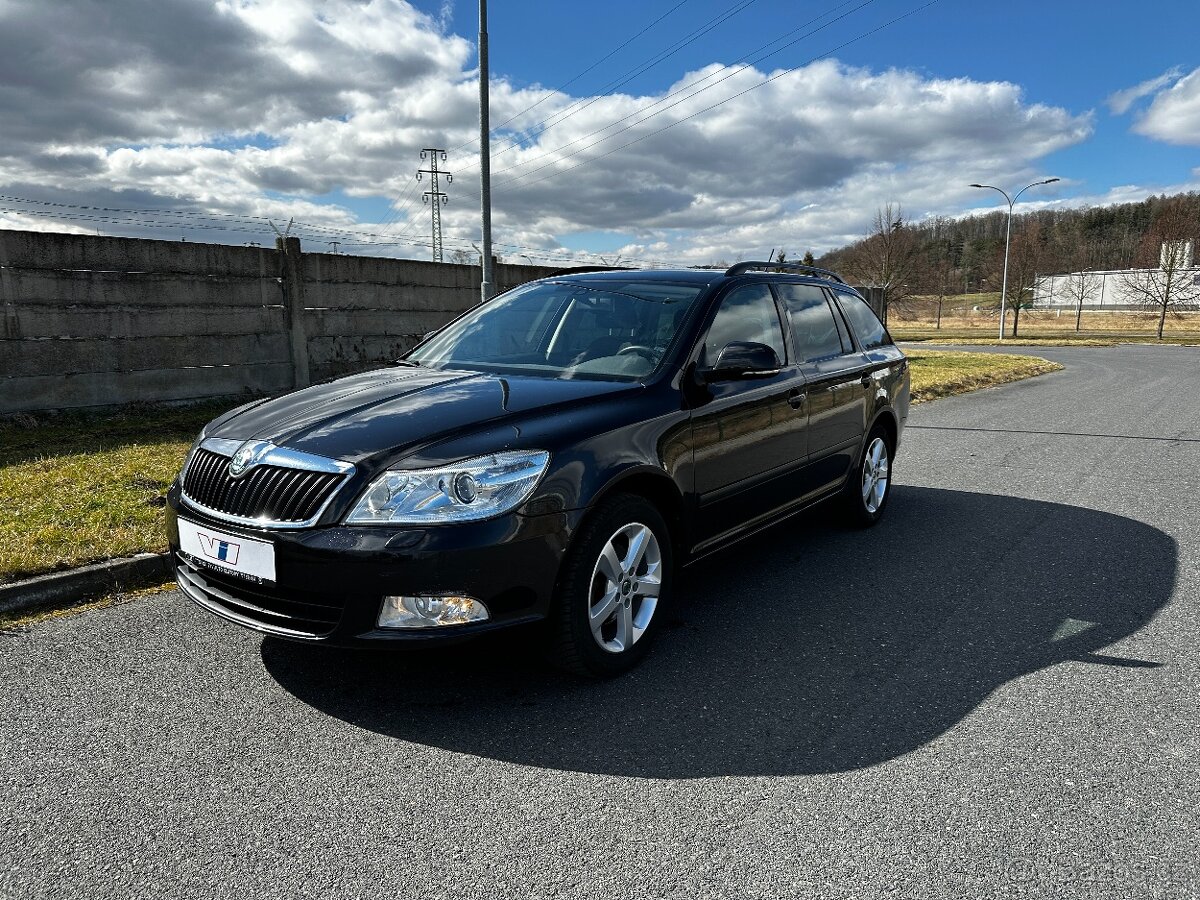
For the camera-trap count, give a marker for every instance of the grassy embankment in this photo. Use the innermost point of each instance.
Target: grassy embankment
(81, 487)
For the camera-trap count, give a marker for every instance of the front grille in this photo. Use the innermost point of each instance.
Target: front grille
(258, 605)
(265, 493)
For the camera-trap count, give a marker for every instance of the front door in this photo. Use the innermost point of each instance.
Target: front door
(748, 435)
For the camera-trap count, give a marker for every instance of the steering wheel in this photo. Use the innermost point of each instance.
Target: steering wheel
(637, 348)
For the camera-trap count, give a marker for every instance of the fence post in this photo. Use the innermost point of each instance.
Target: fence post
(8, 295)
(291, 277)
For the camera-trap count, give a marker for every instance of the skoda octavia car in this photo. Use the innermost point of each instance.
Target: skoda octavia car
(553, 455)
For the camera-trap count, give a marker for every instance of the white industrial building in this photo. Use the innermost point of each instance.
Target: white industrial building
(1109, 289)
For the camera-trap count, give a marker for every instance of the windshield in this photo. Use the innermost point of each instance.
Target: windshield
(565, 330)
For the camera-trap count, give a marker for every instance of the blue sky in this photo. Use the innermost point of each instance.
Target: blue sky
(247, 112)
(1062, 53)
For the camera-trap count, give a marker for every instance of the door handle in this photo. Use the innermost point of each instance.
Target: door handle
(796, 398)
(865, 381)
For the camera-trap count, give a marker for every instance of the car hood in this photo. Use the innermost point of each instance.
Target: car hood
(390, 411)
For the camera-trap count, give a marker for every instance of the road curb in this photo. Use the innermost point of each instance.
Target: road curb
(76, 584)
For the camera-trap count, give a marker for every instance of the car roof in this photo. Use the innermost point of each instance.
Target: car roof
(686, 276)
(700, 277)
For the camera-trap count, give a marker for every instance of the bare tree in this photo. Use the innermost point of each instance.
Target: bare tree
(940, 283)
(1081, 287)
(1025, 259)
(462, 257)
(1172, 284)
(887, 257)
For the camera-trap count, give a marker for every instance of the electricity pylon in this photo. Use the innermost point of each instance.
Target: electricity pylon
(435, 197)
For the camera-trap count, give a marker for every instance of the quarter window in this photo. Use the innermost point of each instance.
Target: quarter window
(747, 314)
(866, 324)
(813, 325)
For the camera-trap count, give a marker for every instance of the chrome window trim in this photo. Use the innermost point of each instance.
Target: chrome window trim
(267, 453)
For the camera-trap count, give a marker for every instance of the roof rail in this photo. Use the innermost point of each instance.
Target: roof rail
(744, 267)
(579, 270)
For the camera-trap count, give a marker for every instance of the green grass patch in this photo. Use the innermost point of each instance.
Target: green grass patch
(77, 488)
(941, 373)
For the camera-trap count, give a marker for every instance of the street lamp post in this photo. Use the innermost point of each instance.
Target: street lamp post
(1008, 237)
(485, 161)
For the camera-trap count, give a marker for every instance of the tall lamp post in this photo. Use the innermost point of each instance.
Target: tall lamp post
(1008, 236)
(485, 160)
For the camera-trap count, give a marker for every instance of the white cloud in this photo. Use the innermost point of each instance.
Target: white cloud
(1174, 116)
(260, 107)
(1120, 101)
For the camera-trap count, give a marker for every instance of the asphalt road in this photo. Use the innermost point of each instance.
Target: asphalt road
(992, 694)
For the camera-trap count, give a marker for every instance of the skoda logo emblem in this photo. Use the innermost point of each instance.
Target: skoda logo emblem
(241, 460)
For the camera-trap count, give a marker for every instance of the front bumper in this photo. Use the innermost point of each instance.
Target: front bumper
(330, 582)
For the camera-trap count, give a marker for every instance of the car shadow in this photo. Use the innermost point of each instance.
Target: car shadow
(807, 649)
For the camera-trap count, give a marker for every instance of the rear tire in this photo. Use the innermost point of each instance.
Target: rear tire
(869, 484)
(613, 588)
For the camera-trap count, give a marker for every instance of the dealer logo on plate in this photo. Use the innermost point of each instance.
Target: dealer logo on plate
(225, 551)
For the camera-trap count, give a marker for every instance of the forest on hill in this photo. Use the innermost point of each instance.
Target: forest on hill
(942, 257)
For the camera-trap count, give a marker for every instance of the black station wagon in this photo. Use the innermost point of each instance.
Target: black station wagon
(551, 456)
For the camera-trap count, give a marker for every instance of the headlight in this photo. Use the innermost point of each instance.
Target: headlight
(464, 492)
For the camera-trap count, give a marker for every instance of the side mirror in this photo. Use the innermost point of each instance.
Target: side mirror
(743, 359)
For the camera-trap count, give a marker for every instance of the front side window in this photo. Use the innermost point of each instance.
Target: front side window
(563, 330)
(747, 314)
(866, 324)
(813, 324)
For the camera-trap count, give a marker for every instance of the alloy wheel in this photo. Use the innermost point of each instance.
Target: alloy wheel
(875, 473)
(625, 587)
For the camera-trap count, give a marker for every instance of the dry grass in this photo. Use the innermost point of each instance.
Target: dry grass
(1040, 326)
(80, 488)
(941, 373)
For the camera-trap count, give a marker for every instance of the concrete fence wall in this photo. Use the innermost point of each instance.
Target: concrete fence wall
(97, 321)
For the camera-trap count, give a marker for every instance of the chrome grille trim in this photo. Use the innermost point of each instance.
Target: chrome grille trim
(279, 487)
(270, 454)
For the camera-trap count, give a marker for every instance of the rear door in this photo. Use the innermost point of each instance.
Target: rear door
(834, 369)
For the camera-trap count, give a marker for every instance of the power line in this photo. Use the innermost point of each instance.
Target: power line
(580, 105)
(695, 89)
(474, 142)
(316, 233)
(707, 109)
(576, 77)
(401, 205)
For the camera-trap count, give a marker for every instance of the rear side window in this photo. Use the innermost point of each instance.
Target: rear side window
(866, 324)
(814, 327)
(747, 314)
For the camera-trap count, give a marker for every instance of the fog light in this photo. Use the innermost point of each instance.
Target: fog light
(430, 612)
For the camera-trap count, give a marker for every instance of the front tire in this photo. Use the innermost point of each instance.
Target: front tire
(614, 585)
(869, 486)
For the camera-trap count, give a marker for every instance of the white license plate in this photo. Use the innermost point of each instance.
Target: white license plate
(228, 552)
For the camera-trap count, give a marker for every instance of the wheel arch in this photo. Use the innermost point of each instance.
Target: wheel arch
(655, 486)
(886, 419)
